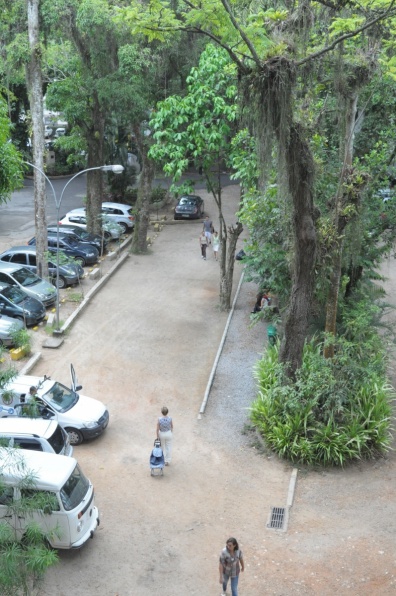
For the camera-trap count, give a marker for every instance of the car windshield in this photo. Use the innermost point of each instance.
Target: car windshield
(60, 397)
(26, 277)
(14, 294)
(74, 490)
(187, 201)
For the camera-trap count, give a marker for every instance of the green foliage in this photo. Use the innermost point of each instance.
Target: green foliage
(337, 410)
(197, 126)
(10, 159)
(21, 338)
(23, 563)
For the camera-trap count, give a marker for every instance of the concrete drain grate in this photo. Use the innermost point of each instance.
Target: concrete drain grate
(277, 518)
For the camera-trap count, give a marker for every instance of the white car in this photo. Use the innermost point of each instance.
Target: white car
(77, 217)
(80, 416)
(113, 212)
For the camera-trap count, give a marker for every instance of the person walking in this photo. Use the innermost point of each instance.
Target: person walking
(165, 434)
(208, 228)
(230, 565)
(203, 242)
(215, 245)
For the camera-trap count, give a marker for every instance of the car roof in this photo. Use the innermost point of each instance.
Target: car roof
(116, 205)
(11, 267)
(27, 426)
(50, 471)
(24, 248)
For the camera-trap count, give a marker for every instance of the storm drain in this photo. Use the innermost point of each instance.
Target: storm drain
(277, 518)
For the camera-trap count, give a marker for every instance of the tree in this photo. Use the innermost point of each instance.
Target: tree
(271, 48)
(10, 158)
(198, 126)
(35, 87)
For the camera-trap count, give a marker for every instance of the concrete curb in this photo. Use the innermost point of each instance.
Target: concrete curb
(30, 364)
(220, 349)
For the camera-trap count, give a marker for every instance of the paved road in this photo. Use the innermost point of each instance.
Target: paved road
(17, 216)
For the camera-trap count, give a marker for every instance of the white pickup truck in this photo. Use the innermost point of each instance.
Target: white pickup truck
(82, 417)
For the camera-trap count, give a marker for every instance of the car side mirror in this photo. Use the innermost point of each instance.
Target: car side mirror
(78, 388)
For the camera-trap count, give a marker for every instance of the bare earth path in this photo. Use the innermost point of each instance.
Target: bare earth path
(149, 339)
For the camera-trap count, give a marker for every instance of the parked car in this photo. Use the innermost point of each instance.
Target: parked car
(80, 235)
(48, 130)
(69, 274)
(69, 516)
(7, 327)
(35, 433)
(117, 212)
(60, 132)
(82, 417)
(19, 276)
(189, 207)
(81, 253)
(15, 303)
(77, 217)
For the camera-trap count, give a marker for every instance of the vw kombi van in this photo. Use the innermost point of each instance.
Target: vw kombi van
(68, 515)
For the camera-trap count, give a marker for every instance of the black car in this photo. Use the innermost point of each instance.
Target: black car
(15, 303)
(82, 254)
(189, 207)
(79, 235)
(69, 274)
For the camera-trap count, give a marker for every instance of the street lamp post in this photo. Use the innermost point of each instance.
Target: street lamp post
(116, 169)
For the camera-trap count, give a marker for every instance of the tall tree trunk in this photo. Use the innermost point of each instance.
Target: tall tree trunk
(142, 215)
(34, 81)
(340, 223)
(227, 262)
(300, 168)
(95, 178)
(228, 237)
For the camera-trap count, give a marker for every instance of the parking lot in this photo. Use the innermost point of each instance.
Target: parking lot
(149, 339)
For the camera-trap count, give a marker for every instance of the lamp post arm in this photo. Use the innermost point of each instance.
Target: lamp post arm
(46, 177)
(75, 176)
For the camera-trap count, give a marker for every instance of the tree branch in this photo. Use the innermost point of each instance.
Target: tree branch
(241, 32)
(346, 36)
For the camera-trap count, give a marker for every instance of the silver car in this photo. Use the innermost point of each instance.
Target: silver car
(7, 327)
(77, 217)
(17, 275)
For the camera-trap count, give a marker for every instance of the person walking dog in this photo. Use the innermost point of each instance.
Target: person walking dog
(165, 434)
(230, 565)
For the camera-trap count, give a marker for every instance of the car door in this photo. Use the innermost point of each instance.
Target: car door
(50, 518)
(74, 381)
(21, 258)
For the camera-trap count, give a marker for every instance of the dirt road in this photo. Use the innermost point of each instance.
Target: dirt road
(149, 339)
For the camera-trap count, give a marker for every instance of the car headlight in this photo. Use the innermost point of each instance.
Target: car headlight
(90, 424)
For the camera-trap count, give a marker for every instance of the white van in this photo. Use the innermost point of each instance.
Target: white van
(36, 434)
(82, 417)
(68, 514)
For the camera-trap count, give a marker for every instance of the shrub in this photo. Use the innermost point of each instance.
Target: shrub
(337, 410)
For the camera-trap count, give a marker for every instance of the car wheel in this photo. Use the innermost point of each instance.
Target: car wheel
(75, 436)
(80, 261)
(124, 226)
(62, 282)
(107, 236)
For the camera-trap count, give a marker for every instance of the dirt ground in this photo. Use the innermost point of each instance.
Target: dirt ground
(148, 339)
